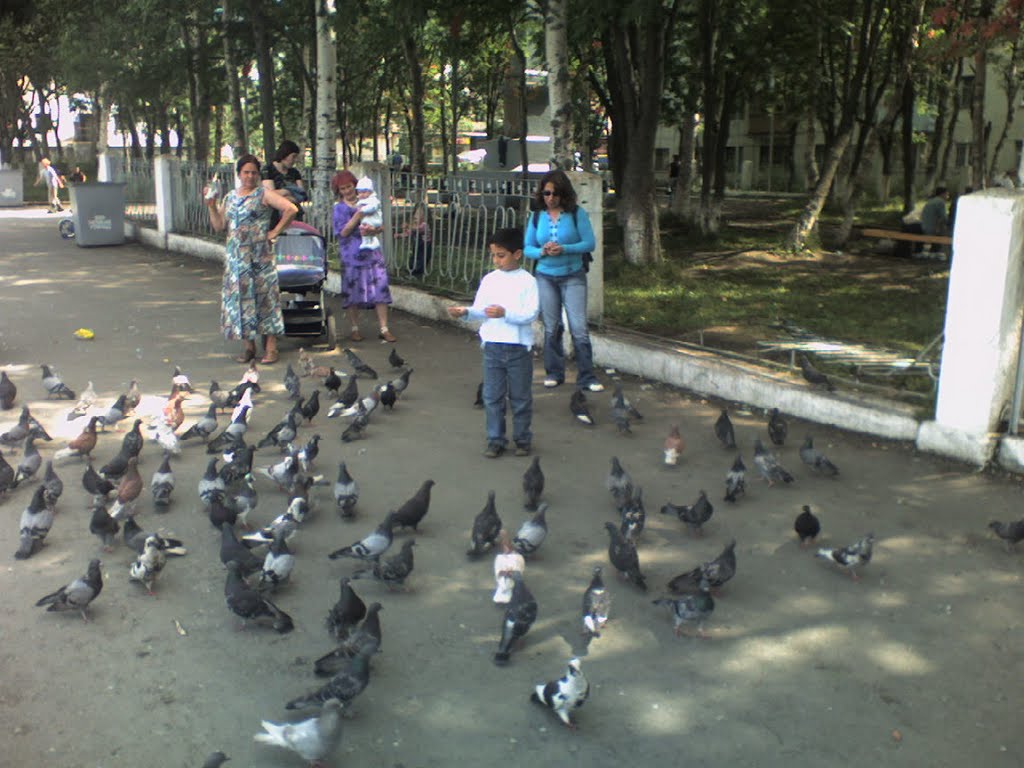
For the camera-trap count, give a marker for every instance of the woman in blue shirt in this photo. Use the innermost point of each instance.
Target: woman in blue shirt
(558, 236)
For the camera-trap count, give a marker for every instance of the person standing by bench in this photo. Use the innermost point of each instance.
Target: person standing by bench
(934, 221)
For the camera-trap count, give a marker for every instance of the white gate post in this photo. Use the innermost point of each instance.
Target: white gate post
(164, 169)
(590, 196)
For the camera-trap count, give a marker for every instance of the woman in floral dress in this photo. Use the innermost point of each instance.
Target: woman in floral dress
(250, 297)
(364, 282)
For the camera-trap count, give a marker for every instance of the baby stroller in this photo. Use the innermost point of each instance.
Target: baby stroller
(301, 256)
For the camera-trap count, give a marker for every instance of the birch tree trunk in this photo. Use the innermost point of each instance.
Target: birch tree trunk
(326, 109)
(556, 48)
(681, 194)
(809, 218)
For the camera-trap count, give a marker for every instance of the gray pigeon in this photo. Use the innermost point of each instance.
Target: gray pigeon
(392, 572)
(579, 409)
(78, 594)
(564, 695)
(204, 426)
(52, 485)
(851, 557)
(486, 527)
(412, 512)
(519, 617)
(694, 607)
(36, 521)
(533, 484)
(8, 392)
(103, 526)
(694, 515)
(619, 484)
(29, 464)
(724, 430)
(777, 427)
(6, 476)
(371, 546)
(232, 550)
(346, 613)
(711, 574)
(292, 383)
(216, 760)
(211, 484)
(365, 640)
(532, 533)
(344, 686)
(596, 604)
(816, 460)
(634, 515)
(623, 556)
(54, 386)
(314, 740)
(768, 465)
(278, 564)
(1011, 532)
(813, 376)
(736, 480)
(162, 484)
(247, 603)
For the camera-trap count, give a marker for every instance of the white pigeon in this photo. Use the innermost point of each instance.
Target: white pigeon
(148, 565)
(564, 695)
(313, 740)
(245, 401)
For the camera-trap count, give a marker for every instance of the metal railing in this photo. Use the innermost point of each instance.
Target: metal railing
(139, 192)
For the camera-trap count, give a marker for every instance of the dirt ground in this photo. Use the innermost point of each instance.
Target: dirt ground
(914, 665)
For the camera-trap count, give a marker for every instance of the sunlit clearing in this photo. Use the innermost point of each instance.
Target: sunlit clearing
(899, 659)
(791, 648)
(888, 600)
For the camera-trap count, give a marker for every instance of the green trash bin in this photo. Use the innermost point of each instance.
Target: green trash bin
(12, 187)
(98, 212)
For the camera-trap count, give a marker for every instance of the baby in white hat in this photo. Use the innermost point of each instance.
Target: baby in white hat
(369, 204)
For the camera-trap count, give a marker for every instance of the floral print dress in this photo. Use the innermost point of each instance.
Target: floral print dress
(250, 297)
(364, 280)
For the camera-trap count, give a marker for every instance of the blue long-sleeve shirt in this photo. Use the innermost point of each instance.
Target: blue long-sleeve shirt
(573, 232)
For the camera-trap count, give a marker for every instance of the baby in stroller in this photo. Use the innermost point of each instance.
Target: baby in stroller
(369, 204)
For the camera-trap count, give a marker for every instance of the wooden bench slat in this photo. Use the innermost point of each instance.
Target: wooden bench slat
(912, 237)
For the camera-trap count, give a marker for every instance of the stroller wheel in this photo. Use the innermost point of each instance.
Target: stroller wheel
(332, 332)
(67, 229)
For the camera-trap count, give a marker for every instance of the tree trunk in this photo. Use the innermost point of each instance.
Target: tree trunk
(907, 105)
(265, 64)
(681, 194)
(240, 142)
(518, 65)
(945, 90)
(809, 218)
(326, 109)
(979, 130)
(417, 149)
(951, 127)
(811, 171)
(556, 49)
(1011, 89)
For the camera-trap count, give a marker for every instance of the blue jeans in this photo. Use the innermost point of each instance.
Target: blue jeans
(570, 292)
(508, 372)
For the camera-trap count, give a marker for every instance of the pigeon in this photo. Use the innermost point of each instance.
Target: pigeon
(311, 407)
(8, 392)
(346, 492)
(596, 604)
(6, 475)
(695, 515)
(412, 512)
(130, 487)
(219, 513)
(173, 415)
(332, 382)
(282, 434)
(115, 413)
(54, 386)
(180, 381)
(283, 472)
(95, 484)
(532, 533)
(674, 446)
(29, 464)
(401, 383)
(777, 427)
(694, 607)
(564, 695)
(619, 484)
(85, 401)
(237, 463)
(135, 539)
(1011, 533)
(132, 397)
(479, 401)
(388, 395)
(633, 515)
(308, 453)
(278, 564)
(231, 549)
(395, 360)
(816, 460)
(858, 553)
(286, 524)
(240, 395)
(346, 399)
(622, 555)
(736, 480)
(619, 397)
(81, 445)
(813, 376)
(166, 439)
(232, 433)
(714, 573)
(218, 397)
(147, 566)
(78, 594)
(131, 444)
(216, 760)
(103, 526)
(364, 640)
(486, 527)
(162, 483)
(519, 617)
(313, 740)
(16, 435)
(36, 521)
(620, 414)
(247, 603)
(393, 571)
(768, 465)
(724, 430)
(116, 467)
(361, 368)
(306, 362)
(346, 613)
(344, 686)
(211, 484)
(807, 526)
(292, 384)
(533, 484)
(370, 547)
(204, 427)
(578, 407)
(53, 486)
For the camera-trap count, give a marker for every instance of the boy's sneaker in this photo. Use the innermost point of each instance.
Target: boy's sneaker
(595, 386)
(494, 450)
(522, 449)
(551, 383)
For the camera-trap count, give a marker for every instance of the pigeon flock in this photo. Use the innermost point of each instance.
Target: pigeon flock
(262, 492)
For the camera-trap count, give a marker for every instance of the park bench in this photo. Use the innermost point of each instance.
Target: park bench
(893, 234)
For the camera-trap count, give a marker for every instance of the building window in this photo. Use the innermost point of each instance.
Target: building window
(661, 159)
(966, 91)
(964, 154)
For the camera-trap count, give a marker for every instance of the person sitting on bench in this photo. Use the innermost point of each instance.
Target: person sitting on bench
(934, 221)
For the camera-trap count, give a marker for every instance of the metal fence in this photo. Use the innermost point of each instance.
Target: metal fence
(140, 191)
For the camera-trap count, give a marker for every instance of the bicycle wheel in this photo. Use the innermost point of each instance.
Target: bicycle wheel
(67, 229)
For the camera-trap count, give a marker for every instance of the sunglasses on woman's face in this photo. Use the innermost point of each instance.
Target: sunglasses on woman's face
(549, 193)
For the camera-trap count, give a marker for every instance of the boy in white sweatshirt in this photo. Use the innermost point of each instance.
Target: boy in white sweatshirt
(508, 303)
